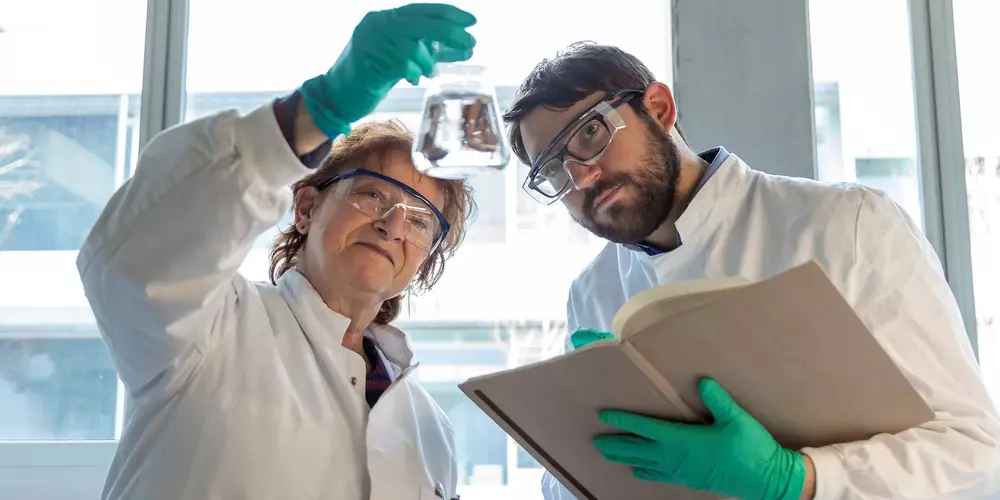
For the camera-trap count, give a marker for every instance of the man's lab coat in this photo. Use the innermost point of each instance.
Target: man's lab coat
(747, 223)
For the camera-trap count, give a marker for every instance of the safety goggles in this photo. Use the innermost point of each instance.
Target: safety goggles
(582, 141)
(379, 197)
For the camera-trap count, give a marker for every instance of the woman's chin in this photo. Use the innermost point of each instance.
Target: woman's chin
(371, 278)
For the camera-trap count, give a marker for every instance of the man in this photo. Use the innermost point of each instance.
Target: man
(601, 136)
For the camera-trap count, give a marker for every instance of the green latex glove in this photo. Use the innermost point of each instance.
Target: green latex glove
(584, 336)
(735, 456)
(386, 46)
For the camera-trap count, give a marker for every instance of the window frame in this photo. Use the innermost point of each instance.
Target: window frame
(940, 145)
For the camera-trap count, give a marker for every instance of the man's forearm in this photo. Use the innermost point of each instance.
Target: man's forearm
(809, 487)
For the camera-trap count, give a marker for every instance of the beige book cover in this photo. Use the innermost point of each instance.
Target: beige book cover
(789, 349)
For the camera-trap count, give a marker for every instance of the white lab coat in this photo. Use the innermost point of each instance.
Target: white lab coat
(747, 223)
(240, 389)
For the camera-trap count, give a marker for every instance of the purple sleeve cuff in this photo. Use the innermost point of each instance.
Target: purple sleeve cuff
(285, 109)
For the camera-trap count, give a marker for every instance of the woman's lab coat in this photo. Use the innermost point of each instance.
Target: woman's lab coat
(747, 223)
(239, 389)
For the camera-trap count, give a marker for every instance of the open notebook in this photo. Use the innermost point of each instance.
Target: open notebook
(789, 349)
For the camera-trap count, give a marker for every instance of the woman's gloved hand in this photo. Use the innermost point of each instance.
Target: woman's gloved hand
(387, 46)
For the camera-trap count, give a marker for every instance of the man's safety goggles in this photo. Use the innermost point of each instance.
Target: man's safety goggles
(583, 142)
(379, 197)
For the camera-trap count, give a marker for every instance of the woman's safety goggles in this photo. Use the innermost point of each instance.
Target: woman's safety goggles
(583, 142)
(383, 198)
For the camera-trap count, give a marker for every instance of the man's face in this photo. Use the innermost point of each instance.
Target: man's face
(629, 191)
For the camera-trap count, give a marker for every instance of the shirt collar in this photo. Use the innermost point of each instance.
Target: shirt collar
(715, 158)
(390, 367)
(394, 346)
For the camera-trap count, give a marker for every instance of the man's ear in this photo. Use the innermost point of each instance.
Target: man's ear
(306, 200)
(659, 102)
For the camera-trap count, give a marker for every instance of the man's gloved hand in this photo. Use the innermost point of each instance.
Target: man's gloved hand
(387, 46)
(735, 456)
(584, 336)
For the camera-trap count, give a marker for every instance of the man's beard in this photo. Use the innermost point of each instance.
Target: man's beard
(650, 192)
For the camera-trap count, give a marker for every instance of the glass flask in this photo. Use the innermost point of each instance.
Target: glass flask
(460, 133)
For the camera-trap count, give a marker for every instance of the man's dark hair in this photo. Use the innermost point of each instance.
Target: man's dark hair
(577, 71)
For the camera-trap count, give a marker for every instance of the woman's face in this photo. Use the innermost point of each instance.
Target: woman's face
(347, 250)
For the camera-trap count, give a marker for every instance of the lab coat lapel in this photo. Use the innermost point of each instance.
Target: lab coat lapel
(708, 209)
(321, 324)
(326, 327)
(324, 331)
(411, 445)
(411, 449)
(705, 228)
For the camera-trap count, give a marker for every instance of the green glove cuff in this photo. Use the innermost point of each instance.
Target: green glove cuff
(796, 478)
(320, 108)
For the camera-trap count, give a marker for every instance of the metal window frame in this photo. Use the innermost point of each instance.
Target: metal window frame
(54, 470)
(712, 66)
(941, 153)
(164, 67)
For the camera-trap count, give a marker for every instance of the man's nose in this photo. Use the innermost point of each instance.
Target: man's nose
(392, 225)
(583, 176)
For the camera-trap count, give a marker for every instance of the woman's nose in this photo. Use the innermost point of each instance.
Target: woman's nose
(583, 176)
(392, 225)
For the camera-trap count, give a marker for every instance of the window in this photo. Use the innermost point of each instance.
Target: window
(50, 203)
(72, 78)
(56, 388)
(69, 109)
(67, 130)
(456, 334)
(975, 39)
(863, 92)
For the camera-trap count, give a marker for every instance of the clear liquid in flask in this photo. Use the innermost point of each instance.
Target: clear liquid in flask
(460, 132)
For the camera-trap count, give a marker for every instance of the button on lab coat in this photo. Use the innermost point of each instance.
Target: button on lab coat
(240, 389)
(750, 224)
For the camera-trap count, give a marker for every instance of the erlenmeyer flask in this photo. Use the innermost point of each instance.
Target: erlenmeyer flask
(460, 132)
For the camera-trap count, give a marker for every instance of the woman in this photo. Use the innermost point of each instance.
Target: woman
(252, 391)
